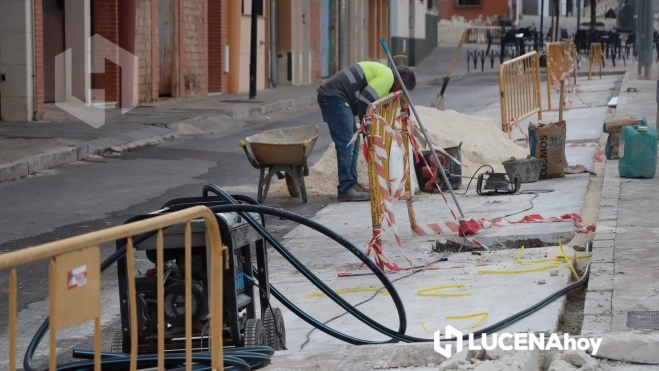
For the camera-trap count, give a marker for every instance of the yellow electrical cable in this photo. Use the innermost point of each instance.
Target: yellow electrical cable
(519, 271)
(574, 272)
(561, 258)
(467, 316)
(519, 259)
(557, 259)
(425, 292)
(425, 329)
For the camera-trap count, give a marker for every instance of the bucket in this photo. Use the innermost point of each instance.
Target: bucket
(451, 168)
(528, 169)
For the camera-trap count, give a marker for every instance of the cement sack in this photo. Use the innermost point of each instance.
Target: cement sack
(611, 152)
(547, 142)
(613, 139)
(612, 143)
(614, 125)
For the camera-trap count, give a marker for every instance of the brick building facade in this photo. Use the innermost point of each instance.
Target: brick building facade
(181, 48)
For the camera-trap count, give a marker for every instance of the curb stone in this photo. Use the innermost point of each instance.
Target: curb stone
(46, 160)
(305, 100)
(53, 158)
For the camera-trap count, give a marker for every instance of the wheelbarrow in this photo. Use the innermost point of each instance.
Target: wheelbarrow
(283, 152)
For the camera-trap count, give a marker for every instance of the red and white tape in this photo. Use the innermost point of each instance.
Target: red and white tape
(514, 124)
(432, 228)
(388, 200)
(599, 153)
(574, 218)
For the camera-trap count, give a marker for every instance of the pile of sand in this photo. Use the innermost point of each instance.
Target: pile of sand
(323, 177)
(483, 142)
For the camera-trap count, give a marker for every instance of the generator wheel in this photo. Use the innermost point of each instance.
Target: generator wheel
(255, 333)
(276, 334)
(293, 187)
(116, 345)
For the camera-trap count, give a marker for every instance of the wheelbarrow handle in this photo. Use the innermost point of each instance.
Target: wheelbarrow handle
(305, 166)
(250, 158)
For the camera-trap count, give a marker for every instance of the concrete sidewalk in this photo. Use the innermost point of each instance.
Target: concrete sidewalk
(60, 138)
(624, 284)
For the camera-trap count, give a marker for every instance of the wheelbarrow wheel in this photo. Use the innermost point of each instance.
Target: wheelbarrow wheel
(293, 187)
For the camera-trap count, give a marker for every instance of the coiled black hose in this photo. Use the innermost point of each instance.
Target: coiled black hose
(394, 336)
(244, 211)
(247, 358)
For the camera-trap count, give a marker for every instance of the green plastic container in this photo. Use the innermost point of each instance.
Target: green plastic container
(638, 152)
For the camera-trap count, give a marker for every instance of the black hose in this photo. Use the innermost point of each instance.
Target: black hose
(366, 320)
(248, 358)
(236, 359)
(243, 210)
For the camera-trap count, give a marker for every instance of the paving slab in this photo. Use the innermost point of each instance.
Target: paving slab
(473, 286)
(420, 357)
(625, 259)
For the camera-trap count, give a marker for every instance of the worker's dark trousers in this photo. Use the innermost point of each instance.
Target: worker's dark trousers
(341, 122)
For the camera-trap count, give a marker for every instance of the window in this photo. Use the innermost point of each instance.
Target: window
(468, 3)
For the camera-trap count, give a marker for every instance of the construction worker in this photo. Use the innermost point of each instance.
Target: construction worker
(348, 94)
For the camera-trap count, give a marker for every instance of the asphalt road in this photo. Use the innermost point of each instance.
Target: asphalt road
(105, 191)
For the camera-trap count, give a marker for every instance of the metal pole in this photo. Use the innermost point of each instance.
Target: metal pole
(423, 129)
(637, 34)
(542, 19)
(274, 53)
(344, 33)
(649, 37)
(252, 51)
(579, 14)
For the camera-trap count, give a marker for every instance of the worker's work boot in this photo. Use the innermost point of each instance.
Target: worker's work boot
(361, 188)
(351, 194)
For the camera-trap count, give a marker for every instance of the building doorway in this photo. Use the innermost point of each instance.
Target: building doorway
(167, 26)
(53, 44)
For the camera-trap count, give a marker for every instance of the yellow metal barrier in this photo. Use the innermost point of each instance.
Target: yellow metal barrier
(75, 278)
(389, 109)
(595, 58)
(559, 64)
(519, 87)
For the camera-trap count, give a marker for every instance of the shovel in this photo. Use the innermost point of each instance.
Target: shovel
(438, 101)
(468, 226)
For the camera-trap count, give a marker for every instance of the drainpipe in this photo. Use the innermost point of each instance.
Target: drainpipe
(34, 66)
(344, 34)
(127, 23)
(579, 14)
(274, 52)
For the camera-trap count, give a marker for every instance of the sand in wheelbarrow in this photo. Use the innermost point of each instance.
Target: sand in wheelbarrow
(483, 142)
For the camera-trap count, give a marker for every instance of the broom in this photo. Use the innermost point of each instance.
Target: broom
(467, 226)
(438, 102)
